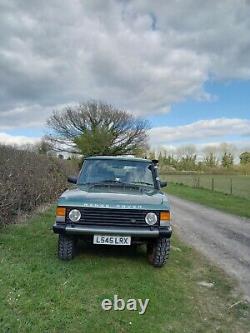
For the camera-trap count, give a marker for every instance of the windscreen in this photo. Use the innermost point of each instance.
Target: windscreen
(124, 171)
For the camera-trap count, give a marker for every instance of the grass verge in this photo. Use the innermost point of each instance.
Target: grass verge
(39, 293)
(228, 203)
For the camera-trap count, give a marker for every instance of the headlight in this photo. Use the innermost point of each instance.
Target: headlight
(151, 218)
(74, 215)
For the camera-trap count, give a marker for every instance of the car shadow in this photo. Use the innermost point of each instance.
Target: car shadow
(133, 252)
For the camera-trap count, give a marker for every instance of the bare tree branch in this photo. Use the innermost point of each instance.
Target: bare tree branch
(96, 128)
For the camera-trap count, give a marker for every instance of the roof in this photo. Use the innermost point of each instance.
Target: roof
(119, 157)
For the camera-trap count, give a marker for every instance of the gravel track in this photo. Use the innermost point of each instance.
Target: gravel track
(223, 238)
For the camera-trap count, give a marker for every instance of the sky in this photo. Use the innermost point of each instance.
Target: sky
(184, 66)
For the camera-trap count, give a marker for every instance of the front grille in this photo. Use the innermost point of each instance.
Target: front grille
(112, 217)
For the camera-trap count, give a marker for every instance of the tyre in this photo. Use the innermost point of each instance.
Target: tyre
(66, 247)
(158, 252)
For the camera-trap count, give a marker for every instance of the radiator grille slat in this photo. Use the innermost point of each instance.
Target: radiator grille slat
(112, 217)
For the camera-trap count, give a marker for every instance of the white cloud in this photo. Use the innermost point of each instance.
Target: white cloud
(200, 131)
(27, 116)
(133, 54)
(16, 140)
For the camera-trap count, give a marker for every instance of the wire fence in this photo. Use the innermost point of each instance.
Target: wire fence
(237, 185)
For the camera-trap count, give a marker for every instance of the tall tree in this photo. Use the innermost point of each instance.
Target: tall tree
(245, 157)
(187, 157)
(227, 152)
(210, 158)
(96, 128)
(227, 160)
(43, 147)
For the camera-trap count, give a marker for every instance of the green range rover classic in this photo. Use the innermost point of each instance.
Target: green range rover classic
(117, 200)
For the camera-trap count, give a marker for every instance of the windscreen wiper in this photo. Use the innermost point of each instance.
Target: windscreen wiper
(142, 183)
(107, 182)
(112, 181)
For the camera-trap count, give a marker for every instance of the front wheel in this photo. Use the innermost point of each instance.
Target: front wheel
(158, 252)
(66, 247)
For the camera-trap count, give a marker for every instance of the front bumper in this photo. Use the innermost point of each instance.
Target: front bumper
(92, 230)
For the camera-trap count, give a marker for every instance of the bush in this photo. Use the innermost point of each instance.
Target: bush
(28, 180)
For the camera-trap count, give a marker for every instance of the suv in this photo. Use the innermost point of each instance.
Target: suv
(117, 201)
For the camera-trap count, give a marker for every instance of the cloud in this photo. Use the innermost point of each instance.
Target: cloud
(200, 131)
(16, 140)
(133, 54)
(30, 116)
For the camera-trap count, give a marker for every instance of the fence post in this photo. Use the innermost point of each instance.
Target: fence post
(198, 182)
(231, 186)
(212, 184)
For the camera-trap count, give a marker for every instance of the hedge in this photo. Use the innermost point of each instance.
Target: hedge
(28, 180)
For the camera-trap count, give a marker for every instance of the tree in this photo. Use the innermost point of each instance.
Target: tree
(151, 155)
(210, 160)
(160, 157)
(187, 151)
(187, 157)
(227, 152)
(187, 163)
(43, 147)
(227, 160)
(210, 156)
(225, 147)
(95, 128)
(245, 157)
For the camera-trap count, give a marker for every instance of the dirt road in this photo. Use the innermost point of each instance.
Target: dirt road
(223, 238)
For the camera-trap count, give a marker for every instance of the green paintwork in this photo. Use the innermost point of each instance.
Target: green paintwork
(123, 158)
(83, 196)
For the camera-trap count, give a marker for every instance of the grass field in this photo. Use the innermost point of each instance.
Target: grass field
(228, 203)
(39, 293)
(238, 184)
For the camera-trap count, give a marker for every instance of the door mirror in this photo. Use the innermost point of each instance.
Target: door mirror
(163, 184)
(72, 179)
